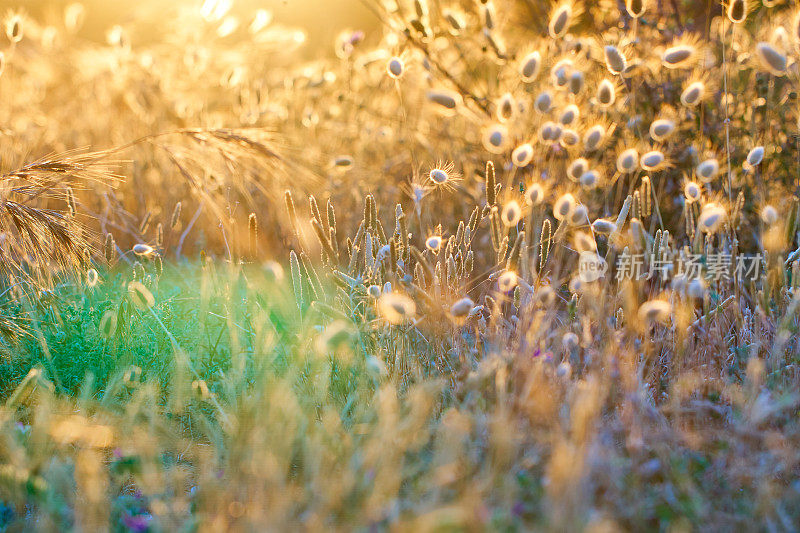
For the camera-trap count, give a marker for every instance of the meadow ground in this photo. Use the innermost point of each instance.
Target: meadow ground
(519, 265)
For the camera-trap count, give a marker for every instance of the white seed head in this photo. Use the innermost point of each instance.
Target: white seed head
(396, 308)
(530, 66)
(569, 115)
(522, 155)
(707, 170)
(570, 341)
(584, 242)
(755, 156)
(550, 131)
(92, 277)
(511, 214)
(696, 288)
(652, 160)
(636, 8)
(737, 11)
(590, 179)
(434, 243)
(578, 216)
(679, 56)
(446, 99)
(655, 311)
(594, 137)
(769, 215)
(711, 218)
(506, 108)
(692, 191)
(439, 176)
(577, 168)
(604, 226)
(142, 249)
(627, 161)
(563, 206)
(606, 93)
(771, 59)
(543, 102)
(570, 137)
(495, 138)
(560, 20)
(615, 60)
(693, 94)
(140, 295)
(395, 68)
(661, 129)
(576, 82)
(507, 281)
(534, 195)
(461, 308)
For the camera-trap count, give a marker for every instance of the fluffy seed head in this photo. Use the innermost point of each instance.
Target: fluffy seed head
(543, 102)
(615, 60)
(737, 11)
(627, 161)
(434, 243)
(604, 226)
(577, 168)
(108, 324)
(570, 137)
(711, 218)
(635, 8)
(495, 138)
(680, 56)
(661, 129)
(522, 155)
(569, 115)
(506, 107)
(606, 93)
(769, 215)
(445, 99)
(534, 195)
(576, 81)
(655, 311)
(693, 94)
(590, 179)
(584, 242)
(755, 156)
(707, 170)
(395, 68)
(653, 160)
(530, 66)
(563, 206)
(92, 277)
(771, 59)
(142, 249)
(550, 131)
(461, 308)
(594, 137)
(696, 288)
(511, 214)
(560, 20)
(396, 308)
(439, 176)
(578, 216)
(507, 281)
(692, 191)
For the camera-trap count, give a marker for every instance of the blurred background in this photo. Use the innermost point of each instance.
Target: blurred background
(322, 20)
